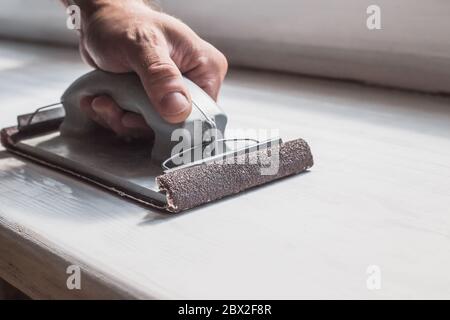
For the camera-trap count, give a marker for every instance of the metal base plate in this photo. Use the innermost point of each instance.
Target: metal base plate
(103, 158)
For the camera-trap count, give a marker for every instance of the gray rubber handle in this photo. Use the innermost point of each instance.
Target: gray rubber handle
(128, 92)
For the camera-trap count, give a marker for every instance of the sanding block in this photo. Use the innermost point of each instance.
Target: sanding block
(183, 165)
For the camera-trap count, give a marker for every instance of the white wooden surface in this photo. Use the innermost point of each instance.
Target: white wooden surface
(379, 194)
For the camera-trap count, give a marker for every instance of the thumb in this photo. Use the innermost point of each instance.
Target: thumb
(163, 83)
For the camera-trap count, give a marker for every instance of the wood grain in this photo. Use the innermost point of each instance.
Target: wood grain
(378, 194)
(40, 270)
(8, 292)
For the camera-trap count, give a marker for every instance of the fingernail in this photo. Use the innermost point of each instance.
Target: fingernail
(174, 103)
(96, 106)
(103, 113)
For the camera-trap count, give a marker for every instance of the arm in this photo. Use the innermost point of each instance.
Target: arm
(123, 36)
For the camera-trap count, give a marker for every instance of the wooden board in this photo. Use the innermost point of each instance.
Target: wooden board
(8, 292)
(378, 195)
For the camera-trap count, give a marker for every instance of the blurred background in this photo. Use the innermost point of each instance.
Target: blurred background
(326, 38)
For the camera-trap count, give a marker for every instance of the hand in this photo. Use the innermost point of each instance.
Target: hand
(123, 36)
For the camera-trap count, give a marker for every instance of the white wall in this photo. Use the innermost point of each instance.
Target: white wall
(43, 20)
(317, 37)
(330, 37)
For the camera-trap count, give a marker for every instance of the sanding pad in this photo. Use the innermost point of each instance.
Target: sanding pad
(172, 191)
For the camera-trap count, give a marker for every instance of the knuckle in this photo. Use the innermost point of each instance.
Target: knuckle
(215, 61)
(210, 85)
(159, 69)
(159, 72)
(203, 61)
(223, 62)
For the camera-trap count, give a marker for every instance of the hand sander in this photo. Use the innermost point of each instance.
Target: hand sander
(180, 167)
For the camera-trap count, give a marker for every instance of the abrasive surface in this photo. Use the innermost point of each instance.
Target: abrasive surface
(193, 186)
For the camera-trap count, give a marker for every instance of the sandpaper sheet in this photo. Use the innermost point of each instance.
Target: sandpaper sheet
(191, 187)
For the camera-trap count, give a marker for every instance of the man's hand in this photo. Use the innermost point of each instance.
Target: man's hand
(123, 36)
